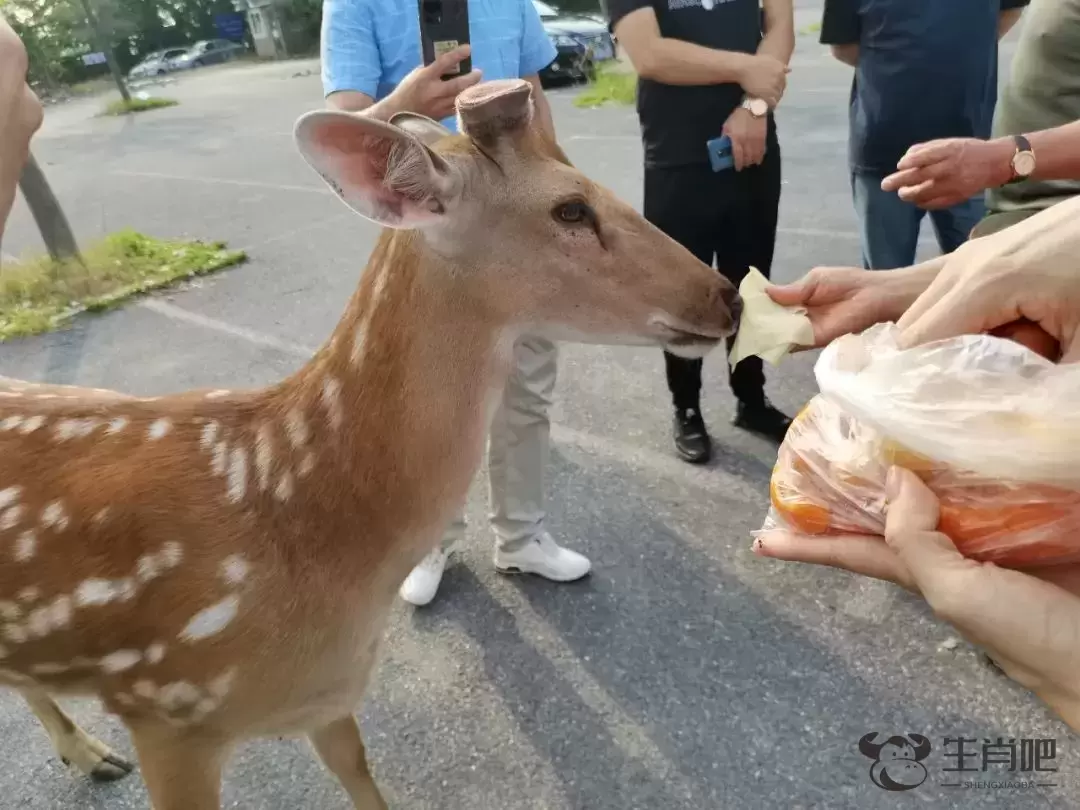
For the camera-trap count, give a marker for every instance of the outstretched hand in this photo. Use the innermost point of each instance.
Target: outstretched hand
(1028, 622)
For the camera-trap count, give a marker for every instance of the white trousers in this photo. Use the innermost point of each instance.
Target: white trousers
(518, 449)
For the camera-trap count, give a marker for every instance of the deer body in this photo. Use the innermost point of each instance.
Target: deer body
(216, 566)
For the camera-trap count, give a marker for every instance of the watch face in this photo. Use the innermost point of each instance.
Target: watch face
(758, 107)
(1024, 163)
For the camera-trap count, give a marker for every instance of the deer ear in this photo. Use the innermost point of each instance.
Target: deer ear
(382, 172)
(491, 110)
(427, 130)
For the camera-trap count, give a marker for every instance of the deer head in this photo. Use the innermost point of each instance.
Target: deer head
(528, 238)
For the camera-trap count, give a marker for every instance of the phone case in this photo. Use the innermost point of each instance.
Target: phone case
(720, 155)
(444, 26)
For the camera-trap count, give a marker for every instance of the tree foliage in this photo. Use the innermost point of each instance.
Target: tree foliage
(56, 33)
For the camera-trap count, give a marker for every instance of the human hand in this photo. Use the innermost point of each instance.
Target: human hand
(764, 77)
(1028, 622)
(1026, 272)
(942, 173)
(845, 300)
(424, 90)
(747, 136)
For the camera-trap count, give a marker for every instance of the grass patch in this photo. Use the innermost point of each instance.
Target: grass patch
(38, 295)
(609, 86)
(121, 107)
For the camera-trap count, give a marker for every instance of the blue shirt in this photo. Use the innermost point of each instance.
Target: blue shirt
(369, 46)
(927, 69)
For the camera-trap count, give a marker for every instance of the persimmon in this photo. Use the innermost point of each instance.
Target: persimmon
(802, 514)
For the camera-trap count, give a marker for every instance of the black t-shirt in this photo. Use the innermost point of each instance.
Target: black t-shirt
(677, 121)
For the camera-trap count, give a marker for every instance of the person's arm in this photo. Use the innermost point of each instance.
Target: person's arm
(840, 30)
(779, 39)
(21, 115)
(1009, 16)
(350, 55)
(537, 52)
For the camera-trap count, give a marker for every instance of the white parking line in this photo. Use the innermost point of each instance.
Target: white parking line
(223, 181)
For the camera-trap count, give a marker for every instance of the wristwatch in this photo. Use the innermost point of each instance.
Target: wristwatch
(757, 107)
(1023, 160)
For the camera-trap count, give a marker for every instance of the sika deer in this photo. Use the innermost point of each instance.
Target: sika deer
(219, 566)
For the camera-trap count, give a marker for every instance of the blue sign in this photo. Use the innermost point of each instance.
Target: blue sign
(230, 26)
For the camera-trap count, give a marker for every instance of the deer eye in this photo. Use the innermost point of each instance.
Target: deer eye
(573, 213)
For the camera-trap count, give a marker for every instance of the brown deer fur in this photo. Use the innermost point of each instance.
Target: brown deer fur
(217, 566)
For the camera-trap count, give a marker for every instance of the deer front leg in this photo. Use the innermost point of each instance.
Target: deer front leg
(341, 748)
(73, 745)
(182, 770)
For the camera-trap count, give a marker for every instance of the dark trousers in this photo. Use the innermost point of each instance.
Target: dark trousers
(728, 220)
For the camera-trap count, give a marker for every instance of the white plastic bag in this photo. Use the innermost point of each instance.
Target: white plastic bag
(990, 426)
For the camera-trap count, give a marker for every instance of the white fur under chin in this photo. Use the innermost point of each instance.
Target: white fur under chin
(692, 351)
(568, 334)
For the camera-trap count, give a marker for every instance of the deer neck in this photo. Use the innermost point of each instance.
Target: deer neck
(404, 389)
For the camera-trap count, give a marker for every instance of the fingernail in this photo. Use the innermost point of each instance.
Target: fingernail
(758, 545)
(892, 484)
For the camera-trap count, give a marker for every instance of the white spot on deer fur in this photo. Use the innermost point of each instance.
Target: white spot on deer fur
(359, 339)
(25, 546)
(15, 633)
(120, 661)
(307, 465)
(54, 517)
(331, 396)
(145, 689)
(178, 695)
(234, 569)
(147, 567)
(95, 592)
(10, 517)
(212, 620)
(158, 429)
(60, 612)
(49, 669)
(296, 428)
(125, 590)
(39, 623)
(284, 489)
(264, 456)
(72, 428)
(221, 392)
(31, 594)
(238, 466)
(222, 684)
(172, 553)
(99, 518)
(9, 495)
(10, 423)
(217, 463)
(155, 653)
(10, 612)
(209, 434)
(31, 424)
(124, 699)
(116, 425)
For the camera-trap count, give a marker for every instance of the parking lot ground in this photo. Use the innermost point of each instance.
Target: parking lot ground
(685, 674)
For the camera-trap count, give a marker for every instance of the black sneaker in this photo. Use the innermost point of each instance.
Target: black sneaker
(691, 436)
(764, 419)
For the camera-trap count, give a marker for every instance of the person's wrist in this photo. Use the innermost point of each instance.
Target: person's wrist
(998, 159)
(905, 286)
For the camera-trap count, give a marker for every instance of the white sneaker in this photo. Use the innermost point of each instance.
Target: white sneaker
(544, 557)
(420, 587)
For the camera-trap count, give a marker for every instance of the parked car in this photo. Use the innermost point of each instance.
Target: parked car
(208, 52)
(157, 63)
(582, 41)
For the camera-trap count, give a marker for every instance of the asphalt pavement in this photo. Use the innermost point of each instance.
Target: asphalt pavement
(685, 674)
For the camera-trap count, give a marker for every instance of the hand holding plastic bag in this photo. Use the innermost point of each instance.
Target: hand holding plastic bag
(990, 426)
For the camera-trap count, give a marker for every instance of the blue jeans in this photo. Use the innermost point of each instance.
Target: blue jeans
(890, 227)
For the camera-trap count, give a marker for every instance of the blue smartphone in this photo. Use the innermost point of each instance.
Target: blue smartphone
(720, 155)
